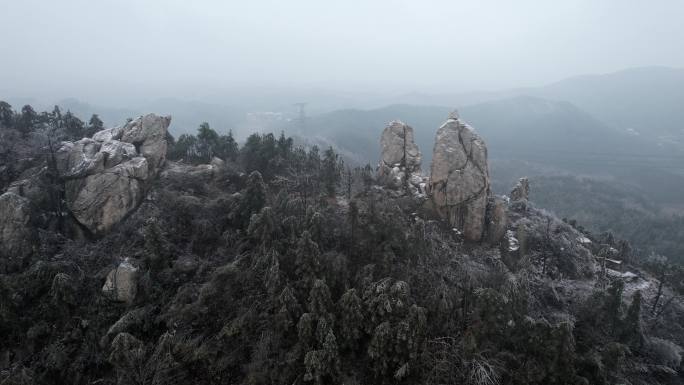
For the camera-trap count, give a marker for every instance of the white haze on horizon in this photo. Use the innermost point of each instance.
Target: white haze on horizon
(132, 49)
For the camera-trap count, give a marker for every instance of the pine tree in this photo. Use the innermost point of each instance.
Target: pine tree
(307, 261)
(27, 119)
(95, 124)
(253, 200)
(227, 147)
(331, 171)
(319, 298)
(6, 115)
(631, 325)
(156, 244)
(350, 315)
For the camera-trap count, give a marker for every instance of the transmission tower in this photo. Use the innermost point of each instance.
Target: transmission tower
(301, 120)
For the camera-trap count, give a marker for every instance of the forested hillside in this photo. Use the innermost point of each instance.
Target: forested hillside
(267, 263)
(556, 141)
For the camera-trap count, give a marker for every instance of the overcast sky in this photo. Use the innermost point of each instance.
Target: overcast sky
(72, 45)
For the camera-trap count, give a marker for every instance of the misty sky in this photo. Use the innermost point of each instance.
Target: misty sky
(68, 46)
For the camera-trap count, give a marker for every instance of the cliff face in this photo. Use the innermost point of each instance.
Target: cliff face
(459, 177)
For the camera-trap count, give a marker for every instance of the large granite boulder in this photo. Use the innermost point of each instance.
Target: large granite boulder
(101, 200)
(459, 178)
(106, 176)
(80, 158)
(400, 157)
(121, 284)
(399, 148)
(16, 233)
(148, 134)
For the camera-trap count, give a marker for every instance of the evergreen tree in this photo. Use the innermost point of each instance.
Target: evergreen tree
(350, 312)
(6, 115)
(307, 261)
(253, 200)
(95, 124)
(185, 148)
(27, 119)
(284, 145)
(331, 171)
(73, 126)
(227, 147)
(207, 143)
(156, 244)
(631, 325)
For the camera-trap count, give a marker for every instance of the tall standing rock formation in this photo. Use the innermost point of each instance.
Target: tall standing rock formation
(459, 179)
(106, 176)
(400, 157)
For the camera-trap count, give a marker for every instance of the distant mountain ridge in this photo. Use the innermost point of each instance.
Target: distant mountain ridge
(647, 100)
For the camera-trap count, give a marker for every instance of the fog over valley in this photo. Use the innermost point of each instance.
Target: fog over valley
(355, 192)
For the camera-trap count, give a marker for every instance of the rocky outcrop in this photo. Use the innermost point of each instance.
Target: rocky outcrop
(400, 158)
(16, 233)
(148, 134)
(106, 176)
(521, 191)
(122, 283)
(398, 147)
(459, 178)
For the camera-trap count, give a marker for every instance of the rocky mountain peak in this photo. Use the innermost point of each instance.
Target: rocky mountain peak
(459, 177)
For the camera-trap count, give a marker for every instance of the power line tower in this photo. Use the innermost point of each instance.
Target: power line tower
(301, 120)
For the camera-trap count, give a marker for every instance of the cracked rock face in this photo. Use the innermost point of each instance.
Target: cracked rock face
(400, 156)
(459, 179)
(106, 176)
(398, 147)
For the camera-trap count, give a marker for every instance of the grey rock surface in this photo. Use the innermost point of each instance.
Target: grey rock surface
(459, 178)
(400, 157)
(106, 176)
(122, 283)
(399, 148)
